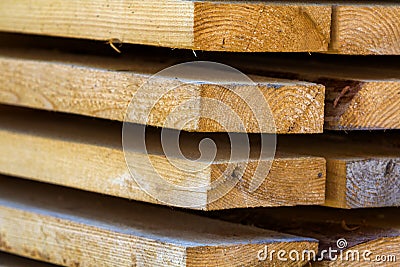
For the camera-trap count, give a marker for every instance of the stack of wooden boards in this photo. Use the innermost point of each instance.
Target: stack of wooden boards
(63, 102)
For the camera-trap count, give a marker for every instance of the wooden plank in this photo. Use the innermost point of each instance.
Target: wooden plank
(351, 83)
(87, 154)
(367, 230)
(362, 104)
(361, 93)
(363, 169)
(203, 25)
(103, 87)
(72, 227)
(279, 27)
(9, 260)
(366, 29)
(361, 28)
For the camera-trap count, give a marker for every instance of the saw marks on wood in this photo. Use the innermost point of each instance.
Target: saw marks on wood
(203, 25)
(103, 87)
(75, 228)
(87, 154)
(363, 169)
(366, 29)
(372, 230)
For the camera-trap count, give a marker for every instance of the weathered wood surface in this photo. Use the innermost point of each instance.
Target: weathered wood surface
(103, 87)
(87, 154)
(203, 25)
(76, 228)
(363, 169)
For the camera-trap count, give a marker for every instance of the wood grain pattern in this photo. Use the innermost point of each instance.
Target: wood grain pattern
(366, 29)
(75, 228)
(241, 26)
(268, 26)
(360, 93)
(374, 230)
(87, 154)
(362, 104)
(167, 23)
(103, 87)
(363, 170)
(363, 183)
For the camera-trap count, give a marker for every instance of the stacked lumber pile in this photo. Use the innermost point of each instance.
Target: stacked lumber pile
(78, 79)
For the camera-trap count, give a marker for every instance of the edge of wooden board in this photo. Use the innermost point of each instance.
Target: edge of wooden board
(363, 183)
(366, 29)
(363, 169)
(361, 92)
(225, 25)
(96, 86)
(341, 27)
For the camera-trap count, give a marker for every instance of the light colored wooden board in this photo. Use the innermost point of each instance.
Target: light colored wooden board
(372, 101)
(363, 170)
(279, 27)
(360, 93)
(376, 230)
(342, 27)
(203, 25)
(87, 154)
(103, 87)
(9, 260)
(76, 228)
(366, 29)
